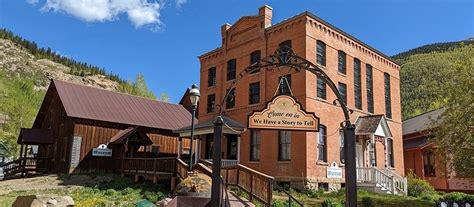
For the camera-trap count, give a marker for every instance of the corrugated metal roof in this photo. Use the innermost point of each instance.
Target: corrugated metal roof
(422, 122)
(97, 104)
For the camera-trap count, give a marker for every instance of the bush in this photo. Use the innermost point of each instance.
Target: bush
(314, 193)
(329, 202)
(367, 201)
(431, 196)
(417, 187)
(458, 196)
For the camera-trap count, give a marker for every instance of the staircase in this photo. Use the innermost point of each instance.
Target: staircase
(381, 181)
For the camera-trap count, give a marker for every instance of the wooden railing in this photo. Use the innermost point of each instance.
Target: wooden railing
(389, 181)
(226, 163)
(181, 169)
(257, 185)
(26, 164)
(148, 165)
(12, 167)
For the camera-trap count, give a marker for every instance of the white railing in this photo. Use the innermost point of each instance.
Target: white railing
(385, 179)
(226, 163)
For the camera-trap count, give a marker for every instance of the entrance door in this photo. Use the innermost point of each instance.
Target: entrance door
(359, 156)
(209, 146)
(231, 147)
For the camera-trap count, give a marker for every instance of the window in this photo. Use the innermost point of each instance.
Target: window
(254, 93)
(390, 160)
(285, 86)
(255, 57)
(322, 147)
(231, 69)
(370, 88)
(285, 44)
(341, 62)
(284, 145)
(357, 84)
(155, 150)
(321, 52)
(230, 101)
(321, 90)
(254, 145)
(429, 163)
(343, 91)
(211, 77)
(341, 152)
(388, 99)
(211, 103)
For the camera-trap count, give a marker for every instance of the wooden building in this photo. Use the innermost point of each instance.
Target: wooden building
(422, 159)
(94, 129)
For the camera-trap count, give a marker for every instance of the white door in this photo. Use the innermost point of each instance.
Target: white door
(359, 156)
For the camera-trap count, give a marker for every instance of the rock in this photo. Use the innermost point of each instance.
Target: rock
(52, 201)
(163, 203)
(43, 201)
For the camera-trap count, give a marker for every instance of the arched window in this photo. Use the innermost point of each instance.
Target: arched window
(255, 57)
(321, 52)
(390, 157)
(322, 143)
(429, 163)
(285, 44)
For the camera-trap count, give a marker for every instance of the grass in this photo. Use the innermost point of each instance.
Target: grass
(119, 191)
(317, 198)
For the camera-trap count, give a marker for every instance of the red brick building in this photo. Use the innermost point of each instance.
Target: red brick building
(422, 159)
(368, 79)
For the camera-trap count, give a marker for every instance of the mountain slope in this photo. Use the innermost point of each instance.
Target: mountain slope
(25, 73)
(425, 71)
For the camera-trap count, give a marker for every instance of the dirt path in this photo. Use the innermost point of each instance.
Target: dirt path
(47, 182)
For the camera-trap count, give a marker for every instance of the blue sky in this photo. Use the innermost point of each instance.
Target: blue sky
(162, 39)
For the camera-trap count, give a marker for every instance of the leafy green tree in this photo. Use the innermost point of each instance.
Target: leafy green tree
(454, 136)
(164, 97)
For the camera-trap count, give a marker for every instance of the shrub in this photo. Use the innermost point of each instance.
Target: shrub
(417, 186)
(431, 196)
(329, 202)
(458, 196)
(314, 193)
(367, 201)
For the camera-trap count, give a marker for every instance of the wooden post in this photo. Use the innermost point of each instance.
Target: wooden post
(269, 193)
(180, 147)
(173, 183)
(251, 188)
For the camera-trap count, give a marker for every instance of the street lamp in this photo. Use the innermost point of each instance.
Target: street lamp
(194, 97)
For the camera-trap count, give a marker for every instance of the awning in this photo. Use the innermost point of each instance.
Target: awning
(230, 126)
(413, 144)
(373, 124)
(35, 136)
(122, 136)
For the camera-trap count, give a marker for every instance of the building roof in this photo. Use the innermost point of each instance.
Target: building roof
(230, 126)
(422, 122)
(97, 104)
(309, 14)
(123, 135)
(368, 124)
(415, 143)
(35, 136)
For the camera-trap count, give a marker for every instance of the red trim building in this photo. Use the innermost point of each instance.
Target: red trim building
(421, 157)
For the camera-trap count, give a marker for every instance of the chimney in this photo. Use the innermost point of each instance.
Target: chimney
(266, 12)
(224, 29)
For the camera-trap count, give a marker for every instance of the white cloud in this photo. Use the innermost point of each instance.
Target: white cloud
(180, 2)
(140, 12)
(32, 2)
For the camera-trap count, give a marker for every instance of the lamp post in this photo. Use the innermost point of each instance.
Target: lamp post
(194, 97)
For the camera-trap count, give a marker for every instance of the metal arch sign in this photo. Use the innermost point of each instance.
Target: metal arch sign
(283, 112)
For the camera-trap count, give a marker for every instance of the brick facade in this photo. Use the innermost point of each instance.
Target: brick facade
(252, 33)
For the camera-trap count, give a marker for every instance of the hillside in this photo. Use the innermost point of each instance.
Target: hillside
(425, 72)
(25, 73)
